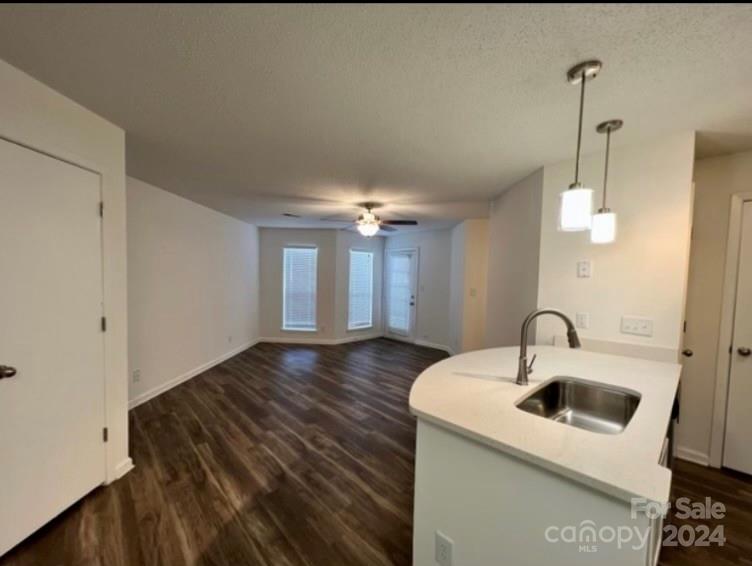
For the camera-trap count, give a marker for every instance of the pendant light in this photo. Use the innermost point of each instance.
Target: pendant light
(576, 207)
(603, 230)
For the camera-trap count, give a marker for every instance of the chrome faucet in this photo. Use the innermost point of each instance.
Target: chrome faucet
(574, 341)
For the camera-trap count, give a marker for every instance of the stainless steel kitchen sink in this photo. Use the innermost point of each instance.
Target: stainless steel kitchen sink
(583, 404)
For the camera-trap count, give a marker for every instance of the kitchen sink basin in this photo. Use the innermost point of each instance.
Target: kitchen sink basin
(583, 404)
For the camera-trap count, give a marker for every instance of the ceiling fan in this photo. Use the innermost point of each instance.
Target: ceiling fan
(368, 223)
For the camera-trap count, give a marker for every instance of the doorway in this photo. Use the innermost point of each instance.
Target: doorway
(401, 292)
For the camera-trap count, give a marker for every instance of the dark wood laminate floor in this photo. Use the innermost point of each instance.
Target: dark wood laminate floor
(734, 491)
(291, 455)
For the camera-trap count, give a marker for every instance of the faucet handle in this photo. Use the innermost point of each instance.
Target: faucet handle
(530, 365)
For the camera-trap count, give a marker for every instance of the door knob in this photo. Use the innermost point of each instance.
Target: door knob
(744, 352)
(7, 371)
(687, 352)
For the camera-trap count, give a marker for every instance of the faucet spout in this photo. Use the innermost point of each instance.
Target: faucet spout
(523, 369)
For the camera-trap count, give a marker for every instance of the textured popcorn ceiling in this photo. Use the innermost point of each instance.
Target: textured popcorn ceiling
(259, 110)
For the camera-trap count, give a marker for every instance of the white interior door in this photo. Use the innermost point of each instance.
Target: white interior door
(401, 293)
(737, 452)
(52, 409)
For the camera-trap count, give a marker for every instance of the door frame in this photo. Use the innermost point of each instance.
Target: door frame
(726, 335)
(385, 295)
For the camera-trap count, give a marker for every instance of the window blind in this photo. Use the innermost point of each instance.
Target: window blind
(299, 289)
(360, 313)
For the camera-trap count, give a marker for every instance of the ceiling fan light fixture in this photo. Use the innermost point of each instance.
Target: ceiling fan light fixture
(368, 229)
(367, 224)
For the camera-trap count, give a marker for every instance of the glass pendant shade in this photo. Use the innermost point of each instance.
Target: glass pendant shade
(367, 224)
(576, 210)
(603, 230)
(368, 229)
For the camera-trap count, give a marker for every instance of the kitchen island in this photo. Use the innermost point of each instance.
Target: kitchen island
(505, 486)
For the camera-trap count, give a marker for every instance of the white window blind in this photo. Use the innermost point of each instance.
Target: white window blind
(399, 293)
(299, 289)
(360, 314)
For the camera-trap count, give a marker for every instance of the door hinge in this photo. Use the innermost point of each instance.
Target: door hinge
(104, 324)
(105, 434)
(685, 326)
(101, 209)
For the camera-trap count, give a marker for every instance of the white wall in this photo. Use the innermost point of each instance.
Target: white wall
(716, 179)
(332, 283)
(434, 270)
(513, 256)
(36, 116)
(476, 282)
(192, 288)
(644, 272)
(467, 286)
(456, 287)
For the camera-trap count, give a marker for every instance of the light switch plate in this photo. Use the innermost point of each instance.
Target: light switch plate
(638, 326)
(584, 268)
(582, 320)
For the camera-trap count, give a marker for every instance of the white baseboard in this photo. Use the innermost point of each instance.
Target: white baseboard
(121, 469)
(320, 341)
(427, 344)
(694, 456)
(159, 389)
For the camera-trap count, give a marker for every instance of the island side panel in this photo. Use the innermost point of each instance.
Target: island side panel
(498, 510)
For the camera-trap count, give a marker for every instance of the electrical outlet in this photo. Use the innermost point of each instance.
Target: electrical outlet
(636, 325)
(584, 269)
(582, 320)
(136, 375)
(229, 339)
(443, 551)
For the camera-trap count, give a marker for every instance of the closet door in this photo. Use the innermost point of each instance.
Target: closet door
(51, 341)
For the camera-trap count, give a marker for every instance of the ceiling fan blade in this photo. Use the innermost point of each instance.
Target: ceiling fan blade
(400, 222)
(386, 228)
(336, 219)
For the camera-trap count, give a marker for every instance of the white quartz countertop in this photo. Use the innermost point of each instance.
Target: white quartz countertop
(474, 394)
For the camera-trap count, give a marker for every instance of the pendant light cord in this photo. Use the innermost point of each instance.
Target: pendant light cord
(605, 170)
(579, 131)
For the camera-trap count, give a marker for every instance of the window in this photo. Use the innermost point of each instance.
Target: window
(360, 314)
(299, 289)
